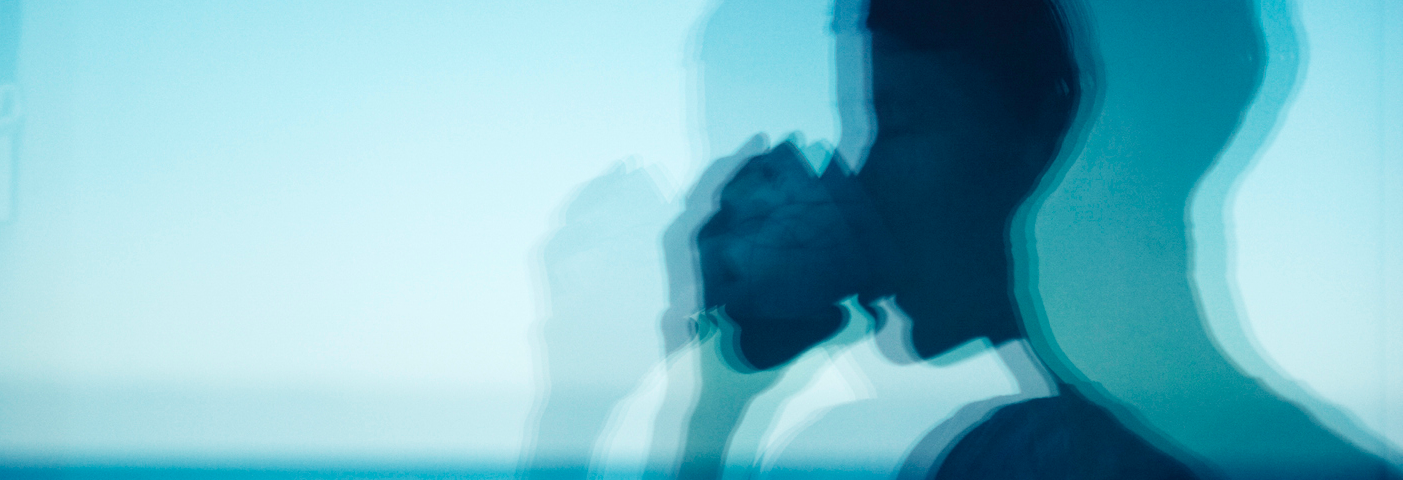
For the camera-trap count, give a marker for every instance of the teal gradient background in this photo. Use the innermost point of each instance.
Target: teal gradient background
(250, 233)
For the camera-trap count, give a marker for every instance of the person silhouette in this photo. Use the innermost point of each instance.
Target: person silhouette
(973, 101)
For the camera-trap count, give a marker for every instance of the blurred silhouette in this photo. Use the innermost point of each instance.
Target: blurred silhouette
(973, 102)
(681, 323)
(604, 272)
(1106, 257)
(786, 258)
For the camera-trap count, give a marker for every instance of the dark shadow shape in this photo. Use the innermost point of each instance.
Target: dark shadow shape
(782, 250)
(1065, 437)
(1107, 265)
(972, 101)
